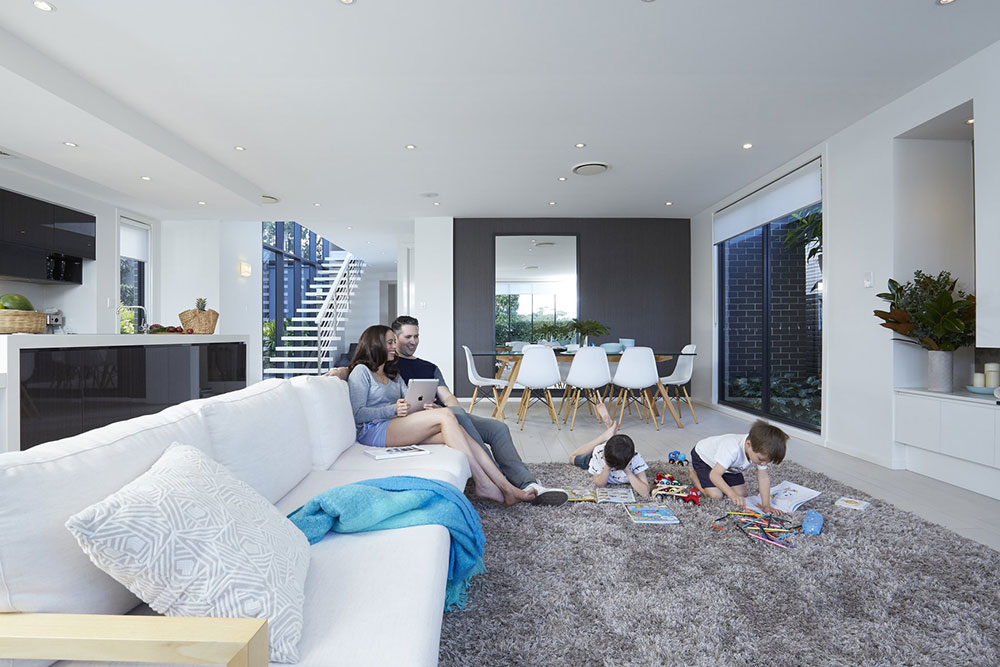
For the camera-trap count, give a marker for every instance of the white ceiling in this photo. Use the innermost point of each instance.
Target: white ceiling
(553, 259)
(494, 94)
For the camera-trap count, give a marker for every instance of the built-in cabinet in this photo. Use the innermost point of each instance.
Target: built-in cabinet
(961, 429)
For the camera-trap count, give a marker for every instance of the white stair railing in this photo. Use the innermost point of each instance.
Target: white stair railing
(335, 307)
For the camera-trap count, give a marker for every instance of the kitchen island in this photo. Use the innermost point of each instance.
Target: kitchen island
(58, 385)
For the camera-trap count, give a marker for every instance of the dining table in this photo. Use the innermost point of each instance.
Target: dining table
(512, 358)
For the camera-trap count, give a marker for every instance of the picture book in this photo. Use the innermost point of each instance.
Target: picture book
(786, 497)
(581, 495)
(381, 453)
(615, 494)
(852, 503)
(650, 514)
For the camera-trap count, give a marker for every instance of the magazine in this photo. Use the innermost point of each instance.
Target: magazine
(615, 494)
(786, 497)
(650, 514)
(581, 495)
(380, 453)
(852, 503)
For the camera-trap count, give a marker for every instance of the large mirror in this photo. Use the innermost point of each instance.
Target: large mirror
(536, 288)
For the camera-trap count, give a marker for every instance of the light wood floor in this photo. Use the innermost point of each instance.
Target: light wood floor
(969, 514)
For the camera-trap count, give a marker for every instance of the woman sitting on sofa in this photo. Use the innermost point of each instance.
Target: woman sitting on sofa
(383, 417)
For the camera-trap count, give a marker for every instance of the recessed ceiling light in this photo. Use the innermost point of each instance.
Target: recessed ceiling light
(317, 204)
(239, 148)
(368, 242)
(347, 2)
(552, 203)
(201, 203)
(269, 199)
(581, 145)
(44, 6)
(940, 2)
(146, 178)
(349, 227)
(971, 121)
(437, 203)
(562, 178)
(70, 144)
(747, 147)
(411, 147)
(531, 267)
(668, 203)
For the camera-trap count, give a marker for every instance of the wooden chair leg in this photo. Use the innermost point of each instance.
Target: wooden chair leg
(574, 397)
(496, 399)
(649, 401)
(690, 405)
(552, 410)
(576, 406)
(621, 407)
(525, 402)
(475, 392)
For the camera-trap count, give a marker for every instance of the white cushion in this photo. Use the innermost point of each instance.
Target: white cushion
(260, 435)
(329, 418)
(41, 567)
(190, 539)
(348, 620)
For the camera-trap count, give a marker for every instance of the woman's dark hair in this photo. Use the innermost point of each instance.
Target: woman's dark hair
(619, 451)
(371, 351)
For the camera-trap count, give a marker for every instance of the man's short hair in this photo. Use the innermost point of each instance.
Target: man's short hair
(402, 321)
(769, 440)
(618, 451)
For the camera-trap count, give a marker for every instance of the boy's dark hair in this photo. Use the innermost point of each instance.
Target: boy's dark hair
(769, 440)
(401, 321)
(618, 451)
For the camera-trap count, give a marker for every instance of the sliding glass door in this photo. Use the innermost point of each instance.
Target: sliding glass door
(770, 318)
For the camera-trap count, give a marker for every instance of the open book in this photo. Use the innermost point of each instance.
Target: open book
(650, 514)
(786, 497)
(612, 494)
(379, 453)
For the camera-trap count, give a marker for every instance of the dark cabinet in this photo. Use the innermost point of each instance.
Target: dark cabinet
(66, 391)
(42, 241)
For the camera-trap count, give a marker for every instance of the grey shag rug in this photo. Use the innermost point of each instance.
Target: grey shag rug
(581, 585)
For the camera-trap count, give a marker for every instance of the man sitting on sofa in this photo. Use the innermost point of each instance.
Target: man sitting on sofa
(482, 429)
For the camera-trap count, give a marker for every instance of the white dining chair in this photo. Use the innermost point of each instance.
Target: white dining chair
(538, 372)
(588, 374)
(679, 378)
(635, 374)
(478, 381)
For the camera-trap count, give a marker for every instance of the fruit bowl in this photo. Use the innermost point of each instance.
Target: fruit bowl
(21, 321)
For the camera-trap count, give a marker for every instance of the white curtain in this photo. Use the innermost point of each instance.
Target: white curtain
(777, 199)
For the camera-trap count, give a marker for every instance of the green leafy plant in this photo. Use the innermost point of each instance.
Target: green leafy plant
(552, 331)
(931, 311)
(805, 230)
(589, 328)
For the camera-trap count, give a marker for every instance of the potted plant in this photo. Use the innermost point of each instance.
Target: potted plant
(931, 312)
(587, 328)
(552, 331)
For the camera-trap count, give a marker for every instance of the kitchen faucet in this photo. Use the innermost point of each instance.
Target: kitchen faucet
(142, 327)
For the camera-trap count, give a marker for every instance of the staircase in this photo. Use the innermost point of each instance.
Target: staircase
(310, 344)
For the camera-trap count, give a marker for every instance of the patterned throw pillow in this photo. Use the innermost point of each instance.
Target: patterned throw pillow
(189, 539)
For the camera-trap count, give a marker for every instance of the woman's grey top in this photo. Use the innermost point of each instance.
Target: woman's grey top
(371, 400)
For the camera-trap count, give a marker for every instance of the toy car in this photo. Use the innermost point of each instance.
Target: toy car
(677, 458)
(671, 489)
(694, 496)
(663, 478)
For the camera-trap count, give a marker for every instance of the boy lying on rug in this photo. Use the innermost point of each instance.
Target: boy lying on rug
(611, 458)
(718, 462)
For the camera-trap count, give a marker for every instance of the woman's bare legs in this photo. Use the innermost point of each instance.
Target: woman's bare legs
(612, 428)
(437, 426)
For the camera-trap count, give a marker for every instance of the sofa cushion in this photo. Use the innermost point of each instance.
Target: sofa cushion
(329, 418)
(260, 435)
(190, 539)
(41, 567)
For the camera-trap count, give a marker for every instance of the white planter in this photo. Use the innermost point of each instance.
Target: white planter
(939, 371)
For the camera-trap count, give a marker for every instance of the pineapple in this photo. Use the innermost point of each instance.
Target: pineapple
(200, 303)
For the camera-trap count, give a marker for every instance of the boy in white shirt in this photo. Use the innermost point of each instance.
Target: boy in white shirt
(717, 463)
(611, 457)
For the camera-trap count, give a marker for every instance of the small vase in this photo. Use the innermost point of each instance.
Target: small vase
(939, 371)
(583, 341)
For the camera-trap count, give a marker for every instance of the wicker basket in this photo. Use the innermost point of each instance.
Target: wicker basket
(199, 321)
(21, 321)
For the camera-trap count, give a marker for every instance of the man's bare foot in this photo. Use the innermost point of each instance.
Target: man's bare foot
(490, 493)
(602, 412)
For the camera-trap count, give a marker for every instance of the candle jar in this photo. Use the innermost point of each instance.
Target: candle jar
(979, 379)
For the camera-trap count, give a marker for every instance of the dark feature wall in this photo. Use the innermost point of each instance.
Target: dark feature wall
(634, 275)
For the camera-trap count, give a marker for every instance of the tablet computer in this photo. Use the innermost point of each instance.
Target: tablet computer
(420, 392)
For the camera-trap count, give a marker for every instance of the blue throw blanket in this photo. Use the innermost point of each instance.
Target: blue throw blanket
(398, 502)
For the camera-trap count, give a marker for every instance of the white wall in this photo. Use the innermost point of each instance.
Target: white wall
(860, 236)
(240, 298)
(189, 268)
(92, 306)
(434, 292)
(365, 308)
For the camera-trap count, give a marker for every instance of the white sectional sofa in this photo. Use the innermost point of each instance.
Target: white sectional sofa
(370, 598)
